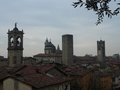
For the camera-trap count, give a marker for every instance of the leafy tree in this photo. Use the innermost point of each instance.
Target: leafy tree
(101, 7)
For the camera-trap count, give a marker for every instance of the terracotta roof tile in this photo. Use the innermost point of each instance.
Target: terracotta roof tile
(81, 72)
(3, 59)
(3, 73)
(47, 55)
(35, 76)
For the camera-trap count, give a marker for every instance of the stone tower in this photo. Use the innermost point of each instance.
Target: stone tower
(15, 47)
(101, 50)
(67, 49)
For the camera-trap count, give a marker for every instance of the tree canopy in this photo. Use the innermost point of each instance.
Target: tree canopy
(101, 7)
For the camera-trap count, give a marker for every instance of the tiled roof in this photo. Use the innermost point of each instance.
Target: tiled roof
(38, 80)
(47, 55)
(115, 61)
(27, 58)
(116, 73)
(98, 73)
(86, 58)
(3, 73)
(68, 69)
(81, 72)
(3, 59)
(35, 76)
(32, 69)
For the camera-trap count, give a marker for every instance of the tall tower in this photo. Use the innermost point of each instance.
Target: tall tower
(67, 49)
(101, 50)
(15, 47)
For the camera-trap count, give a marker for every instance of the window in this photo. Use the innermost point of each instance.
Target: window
(18, 41)
(11, 41)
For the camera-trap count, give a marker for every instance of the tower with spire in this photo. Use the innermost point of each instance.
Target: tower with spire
(58, 51)
(15, 46)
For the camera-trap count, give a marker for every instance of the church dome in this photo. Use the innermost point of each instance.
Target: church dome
(49, 44)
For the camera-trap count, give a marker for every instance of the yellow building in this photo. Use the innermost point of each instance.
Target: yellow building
(82, 79)
(105, 80)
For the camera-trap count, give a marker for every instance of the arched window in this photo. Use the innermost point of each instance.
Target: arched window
(18, 41)
(11, 41)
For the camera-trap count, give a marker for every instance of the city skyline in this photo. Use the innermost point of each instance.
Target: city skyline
(52, 19)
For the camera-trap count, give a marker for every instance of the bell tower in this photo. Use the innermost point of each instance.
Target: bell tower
(15, 47)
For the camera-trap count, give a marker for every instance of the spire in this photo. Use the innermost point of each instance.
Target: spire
(46, 39)
(15, 29)
(15, 25)
(58, 48)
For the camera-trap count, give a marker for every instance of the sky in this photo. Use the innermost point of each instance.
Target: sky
(41, 19)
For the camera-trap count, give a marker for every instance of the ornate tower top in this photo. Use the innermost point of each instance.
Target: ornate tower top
(15, 39)
(15, 30)
(58, 48)
(15, 25)
(46, 39)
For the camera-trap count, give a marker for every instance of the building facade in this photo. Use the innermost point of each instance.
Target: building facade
(51, 54)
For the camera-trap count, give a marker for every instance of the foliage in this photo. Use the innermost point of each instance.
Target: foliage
(101, 7)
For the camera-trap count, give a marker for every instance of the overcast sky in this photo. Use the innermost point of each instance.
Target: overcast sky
(53, 18)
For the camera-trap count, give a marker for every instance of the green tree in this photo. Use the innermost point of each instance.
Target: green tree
(101, 7)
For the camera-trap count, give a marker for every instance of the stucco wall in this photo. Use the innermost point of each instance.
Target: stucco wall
(62, 86)
(30, 61)
(8, 84)
(51, 59)
(23, 86)
(12, 84)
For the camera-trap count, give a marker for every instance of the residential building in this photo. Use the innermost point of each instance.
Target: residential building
(34, 78)
(29, 61)
(82, 79)
(3, 61)
(105, 82)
